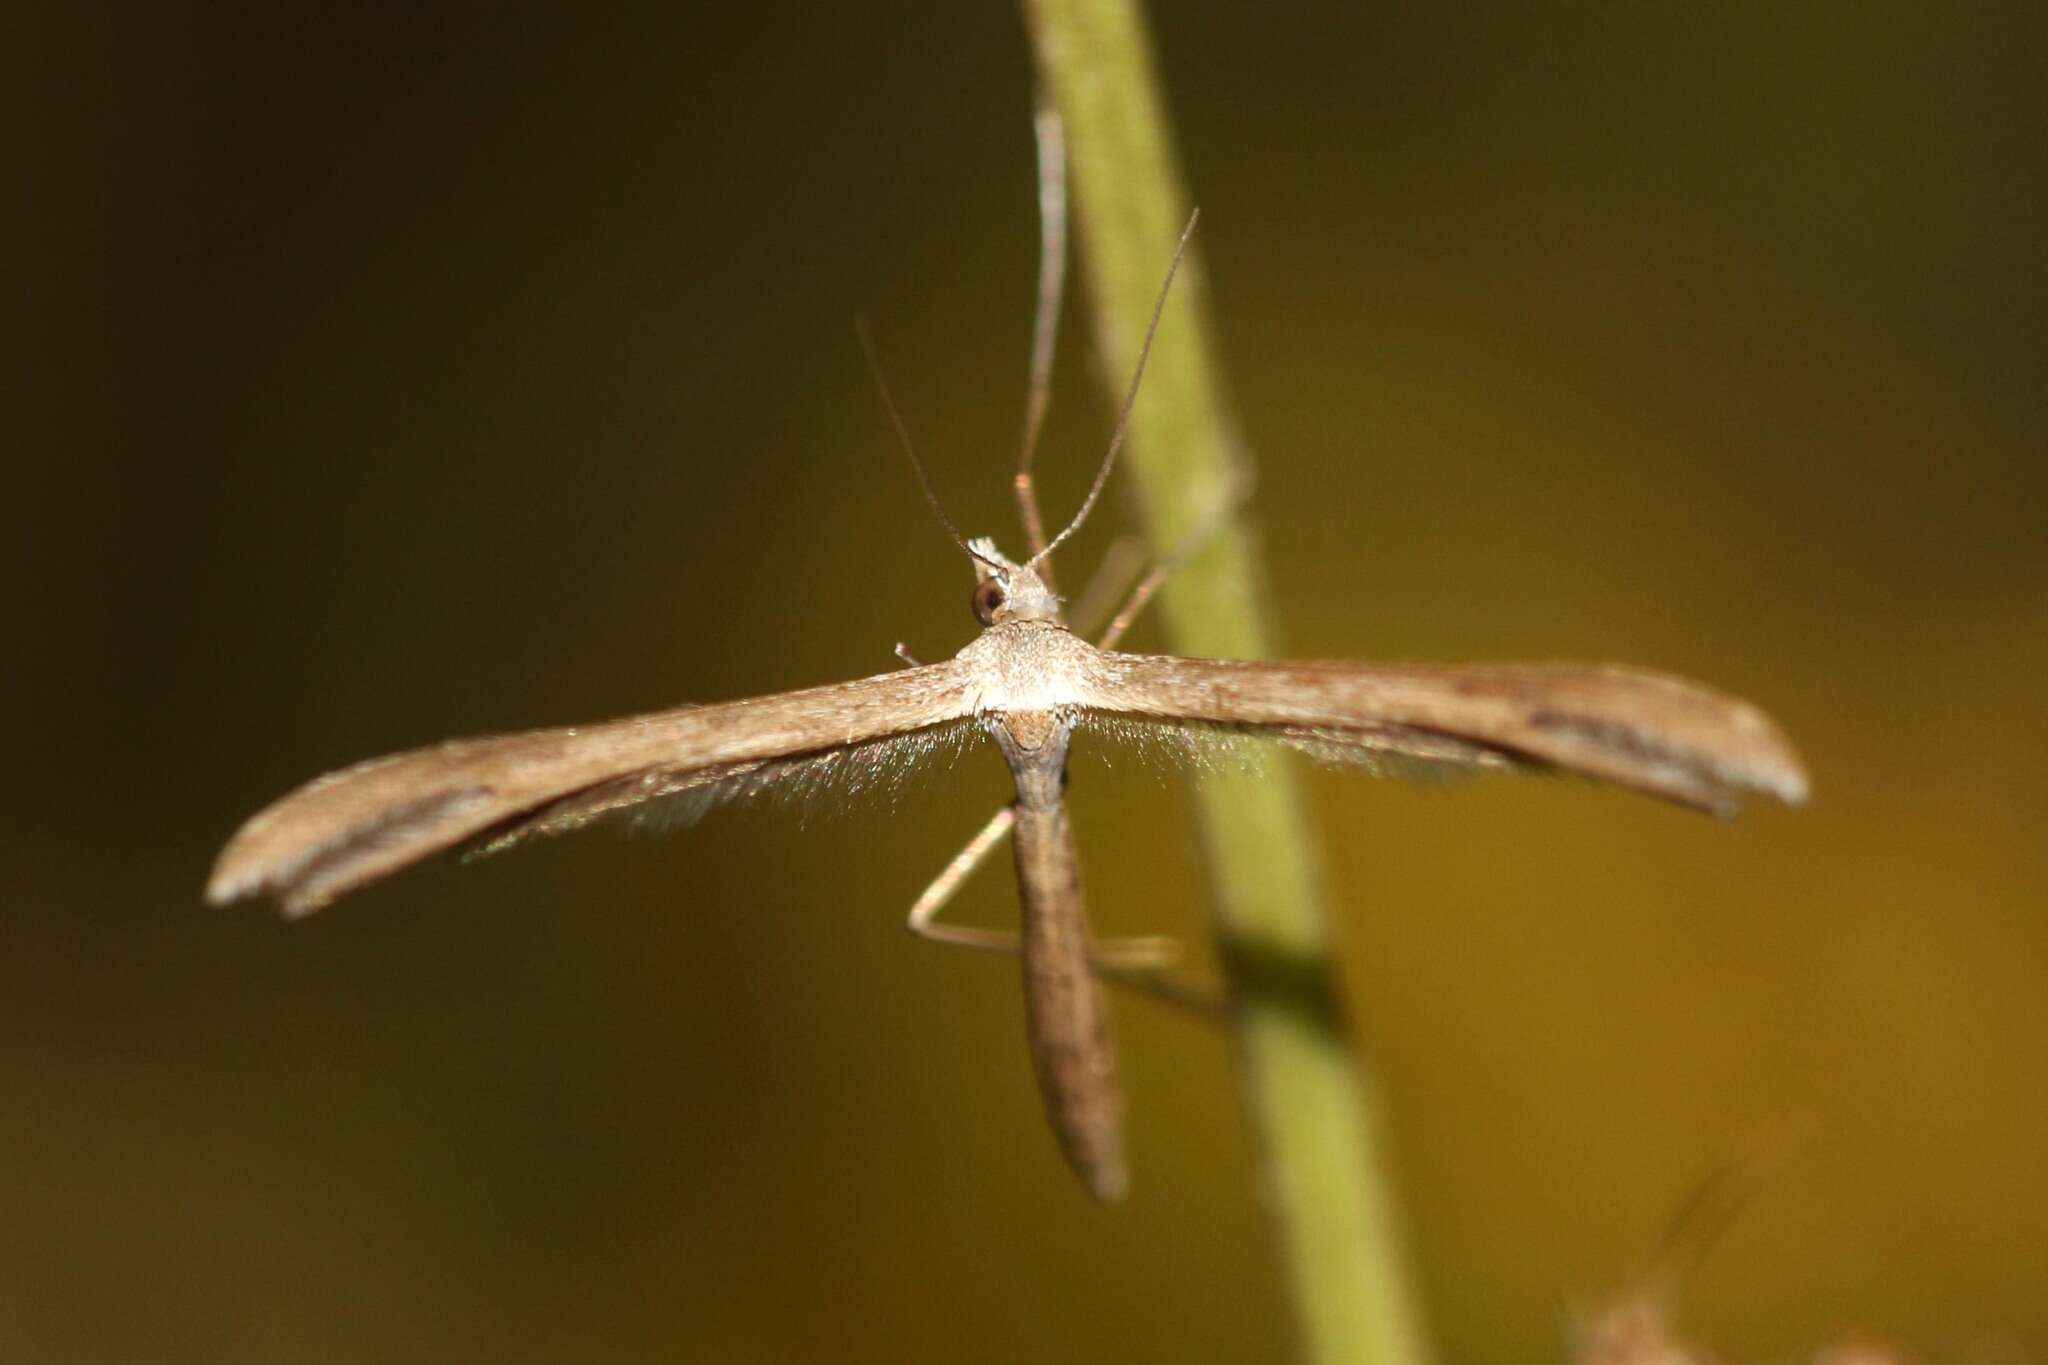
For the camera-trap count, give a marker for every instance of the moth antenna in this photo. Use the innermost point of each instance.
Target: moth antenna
(867, 347)
(1045, 321)
(1123, 418)
(1707, 1214)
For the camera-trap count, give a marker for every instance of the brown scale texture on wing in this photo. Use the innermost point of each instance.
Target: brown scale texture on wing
(1646, 731)
(351, 827)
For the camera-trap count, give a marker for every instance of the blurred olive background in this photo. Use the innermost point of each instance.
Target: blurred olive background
(380, 375)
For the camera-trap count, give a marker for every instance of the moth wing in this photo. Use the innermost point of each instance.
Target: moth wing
(351, 827)
(1648, 732)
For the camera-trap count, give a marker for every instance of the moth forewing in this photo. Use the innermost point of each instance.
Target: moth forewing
(1646, 731)
(351, 827)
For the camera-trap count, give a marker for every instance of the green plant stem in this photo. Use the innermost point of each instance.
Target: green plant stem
(1324, 1175)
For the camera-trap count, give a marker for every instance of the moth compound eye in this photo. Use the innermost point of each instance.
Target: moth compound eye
(988, 600)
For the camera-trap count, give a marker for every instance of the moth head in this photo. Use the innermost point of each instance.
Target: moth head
(1004, 591)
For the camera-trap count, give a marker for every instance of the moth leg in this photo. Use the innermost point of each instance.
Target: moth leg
(1123, 954)
(1138, 963)
(1167, 987)
(1235, 495)
(948, 881)
(909, 660)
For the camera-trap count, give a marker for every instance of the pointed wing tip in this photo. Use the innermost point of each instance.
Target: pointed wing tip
(229, 886)
(1110, 1186)
(1757, 759)
(229, 881)
(1780, 774)
(243, 873)
(245, 868)
(1785, 784)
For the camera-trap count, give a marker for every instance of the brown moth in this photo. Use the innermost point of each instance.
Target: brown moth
(1031, 686)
